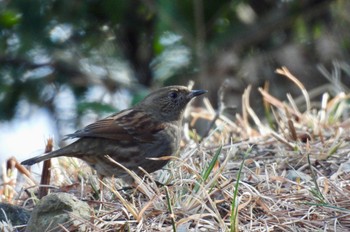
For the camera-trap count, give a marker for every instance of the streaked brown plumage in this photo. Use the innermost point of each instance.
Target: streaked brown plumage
(151, 129)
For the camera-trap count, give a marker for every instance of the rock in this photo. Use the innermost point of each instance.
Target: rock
(15, 214)
(59, 210)
(293, 174)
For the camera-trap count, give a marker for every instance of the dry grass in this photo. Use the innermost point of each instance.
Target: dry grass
(290, 172)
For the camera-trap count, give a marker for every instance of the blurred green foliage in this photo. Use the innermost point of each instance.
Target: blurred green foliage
(48, 46)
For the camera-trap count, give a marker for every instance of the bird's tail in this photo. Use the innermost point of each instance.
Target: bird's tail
(40, 158)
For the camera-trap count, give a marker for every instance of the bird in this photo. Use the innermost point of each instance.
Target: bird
(132, 137)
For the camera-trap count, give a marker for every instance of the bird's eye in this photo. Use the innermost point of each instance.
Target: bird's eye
(173, 95)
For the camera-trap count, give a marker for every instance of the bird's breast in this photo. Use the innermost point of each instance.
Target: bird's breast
(166, 142)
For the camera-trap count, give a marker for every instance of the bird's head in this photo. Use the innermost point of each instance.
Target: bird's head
(169, 103)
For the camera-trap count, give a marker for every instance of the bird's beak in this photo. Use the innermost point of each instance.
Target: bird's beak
(195, 93)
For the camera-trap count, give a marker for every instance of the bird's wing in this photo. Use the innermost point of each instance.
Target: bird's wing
(128, 125)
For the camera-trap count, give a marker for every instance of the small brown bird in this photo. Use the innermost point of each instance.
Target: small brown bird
(151, 129)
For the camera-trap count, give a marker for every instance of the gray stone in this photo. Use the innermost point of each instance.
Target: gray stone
(293, 174)
(57, 210)
(15, 214)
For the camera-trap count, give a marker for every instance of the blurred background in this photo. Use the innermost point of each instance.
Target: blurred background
(64, 64)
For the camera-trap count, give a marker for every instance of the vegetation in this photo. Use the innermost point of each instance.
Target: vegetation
(55, 48)
(242, 177)
(278, 163)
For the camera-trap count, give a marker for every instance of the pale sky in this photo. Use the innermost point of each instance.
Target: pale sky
(24, 138)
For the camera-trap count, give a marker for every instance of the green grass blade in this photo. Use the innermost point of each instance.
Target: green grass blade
(207, 172)
(172, 216)
(315, 191)
(234, 207)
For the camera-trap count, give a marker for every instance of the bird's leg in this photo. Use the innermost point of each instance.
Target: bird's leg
(100, 178)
